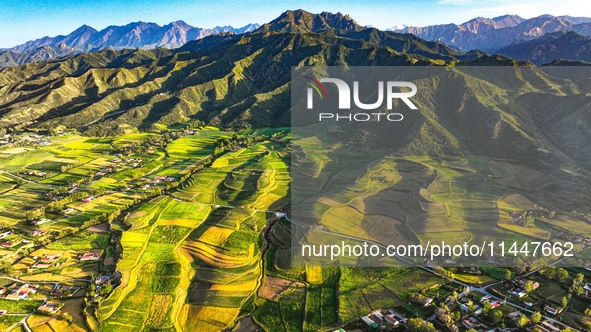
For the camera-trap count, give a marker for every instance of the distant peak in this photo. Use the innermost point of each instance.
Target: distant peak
(502, 17)
(182, 24)
(85, 28)
(302, 21)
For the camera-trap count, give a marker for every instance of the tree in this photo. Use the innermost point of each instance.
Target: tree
(529, 220)
(507, 274)
(578, 290)
(419, 325)
(497, 315)
(67, 317)
(8, 268)
(562, 275)
(106, 289)
(445, 273)
(522, 321)
(536, 317)
(579, 278)
(453, 296)
(443, 314)
(529, 286)
(487, 307)
(550, 272)
(564, 302)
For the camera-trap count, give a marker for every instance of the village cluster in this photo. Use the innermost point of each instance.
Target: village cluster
(511, 304)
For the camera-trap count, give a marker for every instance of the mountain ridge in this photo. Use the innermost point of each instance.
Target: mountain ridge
(140, 35)
(304, 21)
(493, 34)
(562, 45)
(243, 81)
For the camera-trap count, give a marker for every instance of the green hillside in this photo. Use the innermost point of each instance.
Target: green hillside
(174, 170)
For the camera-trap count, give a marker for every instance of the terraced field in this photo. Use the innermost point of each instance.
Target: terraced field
(419, 199)
(191, 230)
(194, 255)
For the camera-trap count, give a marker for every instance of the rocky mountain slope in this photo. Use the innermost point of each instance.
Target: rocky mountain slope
(137, 35)
(492, 34)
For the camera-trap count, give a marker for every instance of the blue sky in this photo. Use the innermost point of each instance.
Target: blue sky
(22, 20)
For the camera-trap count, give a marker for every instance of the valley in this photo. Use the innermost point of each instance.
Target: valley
(145, 188)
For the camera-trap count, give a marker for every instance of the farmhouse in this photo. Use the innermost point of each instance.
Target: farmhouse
(40, 222)
(472, 323)
(66, 291)
(37, 233)
(21, 293)
(47, 261)
(163, 178)
(36, 173)
(422, 300)
(369, 322)
(89, 256)
(102, 279)
(88, 199)
(548, 326)
(391, 320)
(552, 310)
(5, 234)
(471, 270)
(514, 316)
(49, 258)
(378, 315)
(399, 317)
(518, 292)
(50, 308)
(545, 326)
(7, 244)
(381, 317)
(522, 282)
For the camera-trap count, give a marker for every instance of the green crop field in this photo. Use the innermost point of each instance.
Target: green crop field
(168, 178)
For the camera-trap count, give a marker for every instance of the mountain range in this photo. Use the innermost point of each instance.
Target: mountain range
(137, 35)
(540, 40)
(243, 81)
(565, 45)
(492, 34)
